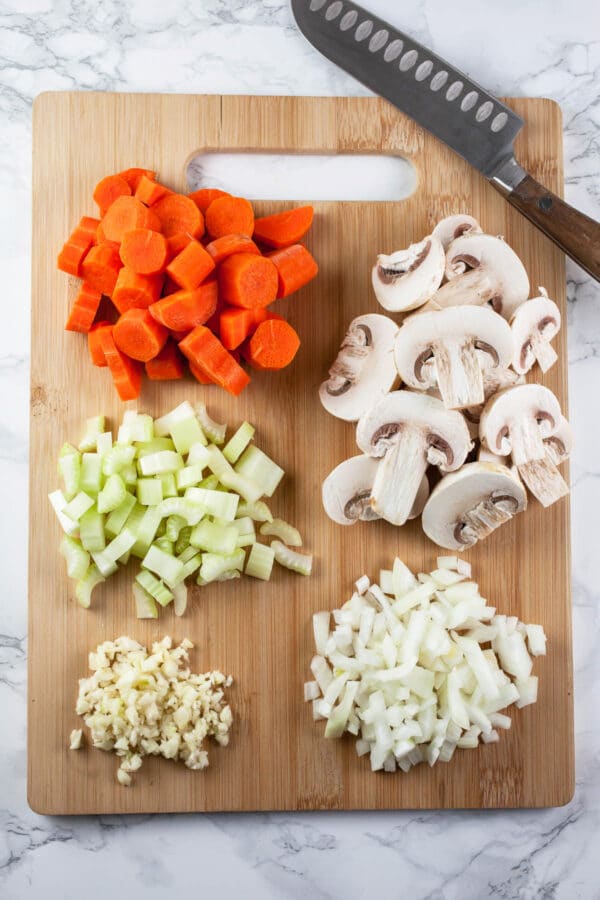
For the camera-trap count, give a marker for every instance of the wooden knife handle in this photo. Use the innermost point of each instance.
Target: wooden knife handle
(576, 234)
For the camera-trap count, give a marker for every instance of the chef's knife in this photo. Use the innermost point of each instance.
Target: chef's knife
(449, 105)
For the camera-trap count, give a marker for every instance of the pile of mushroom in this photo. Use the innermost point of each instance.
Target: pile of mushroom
(445, 389)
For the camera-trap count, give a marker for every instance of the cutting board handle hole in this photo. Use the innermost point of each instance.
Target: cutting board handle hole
(306, 176)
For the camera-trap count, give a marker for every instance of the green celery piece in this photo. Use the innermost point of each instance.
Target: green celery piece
(191, 566)
(167, 567)
(258, 511)
(144, 448)
(161, 463)
(78, 559)
(69, 466)
(91, 530)
(169, 487)
(59, 501)
(93, 427)
(260, 469)
(129, 475)
(260, 562)
(112, 494)
(215, 431)
(117, 458)
(174, 526)
(180, 598)
(198, 455)
(79, 505)
(145, 604)
(238, 443)
(145, 531)
(214, 503)
(162, 426)
(104, 443)
(283, 530)
(249, 490)
(90, 479)
(210, 483)
(165, 545)
(154, 586)
(181, 506)
(186, 433)
(149, 491)
(297, 562)
(188, 476)
(216, 462)
(161, 530)
(215, 565)
(116, 520)
(214, 538)
(136, 427)
(186, 554)
(183, 541)
(84, 588)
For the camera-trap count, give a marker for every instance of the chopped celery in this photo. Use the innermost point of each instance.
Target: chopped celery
(216, 462)
(167, 567)
(188, 476)
(260, 469)
(169, 487)
(191, 566)
(145, 604)
(180, 594)
(149, 491)
(247, 489)
(246, 531)
(129, 475)
(183, 541)
(210, 483)
(119, 545)
(198, 455)
(91, 530)
(117, 458)
(69, 466)
(187, 553)
(79, 505)
(164, 544)
(282, 530)
(174, 526)
(119, 516)
(145, 530)
(112, 494)
(238, 443)
(214, 503)
(154, 586)
(59, 501)
(124, 559)
(106, 567)
(136, 427)
(90, 479)
(104, 443)
(84, 588)
(93, 427)
(162, 426)
(297, 562)
(260, 562)
(144, 448)
(258, 511)
(215, 565)
(161, 463)
(215, 431)
(181, 506)
(78, 559)
(214, 538)
(186, 433)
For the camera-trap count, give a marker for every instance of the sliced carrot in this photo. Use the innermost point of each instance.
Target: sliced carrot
(144, 251)
(95, 343)
(224, 246)
(235, 324)
(284, 228)
(199, 374)
(183, 310)
(125, 214)
(133, 291)
(100, 268)
(168, 365)
(150, 191)
(108, 189)
(176, 243)
(247, 280)
(229, 215)
(139, 335)
(190, 266)
(83, 312)
(134, 176)
(178, 213)
(206, 351)
(126, 372)
(295, 268)
(273, 345)
(75, 248)
(205, 196)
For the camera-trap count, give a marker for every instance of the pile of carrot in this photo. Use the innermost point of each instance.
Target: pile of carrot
(174, 282)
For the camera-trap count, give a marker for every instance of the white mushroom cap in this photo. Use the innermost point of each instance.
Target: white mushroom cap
(466, 506)
(410, 431)
(407, 278)
(533, 325)
(452, 227)
(560, 444)
(347, 491)
(364, 369)
(493, 256)
(453, 347)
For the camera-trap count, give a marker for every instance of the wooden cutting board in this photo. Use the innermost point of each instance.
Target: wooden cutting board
(261, 633)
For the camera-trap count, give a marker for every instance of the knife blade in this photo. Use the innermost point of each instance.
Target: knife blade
(450, 105)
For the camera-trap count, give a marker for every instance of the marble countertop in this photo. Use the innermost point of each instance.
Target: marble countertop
(539, 48)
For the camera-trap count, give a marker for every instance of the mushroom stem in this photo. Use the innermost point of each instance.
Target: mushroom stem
(399, 476)
(543, 480)
(543, 351)
(459, 375)
(473, 288)
(479, 522)
(527, 442)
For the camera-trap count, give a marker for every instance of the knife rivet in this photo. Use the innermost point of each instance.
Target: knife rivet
(424, 70)
(454, 90)
(439, 80)
(469, 101)
(316, 5)
(408, 60)
(379, 40)
(545, 203)
(364, 30)
(393, 50)
(348, 20)
(484, 111)
(333, 10)
(499, 121)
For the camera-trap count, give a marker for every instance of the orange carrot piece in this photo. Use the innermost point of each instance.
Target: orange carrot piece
(247, 280)
(206, 351)
(273, 345)
(125, 214)
(95, 343)
(191, 266)
(108, 189)
(235, 324)
(167, 365)
(176, 243)
(178, 213)
(134, 176)
(133, 291)
(295, 268)
(224, 246)
(150, 191)
(229, 215)
(139, 335)
(144, 251)
(199, 374)
(284, 228)
(183, 310)
(83, 312)
(205, 196)
(100, 268)
(126, 372)
(75, 248)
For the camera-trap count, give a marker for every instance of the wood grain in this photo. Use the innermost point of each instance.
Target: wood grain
(261, 633)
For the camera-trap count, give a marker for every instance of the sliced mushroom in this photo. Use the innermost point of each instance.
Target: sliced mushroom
(492, 257)
(560, 444)
(475, 288)
(408, 432)
(466, 506)
(494, 380)
(535, 323)
(519, 420)
(453, 347)
(452, 227)
(347, 491)
(407, 278)
(364, 369)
